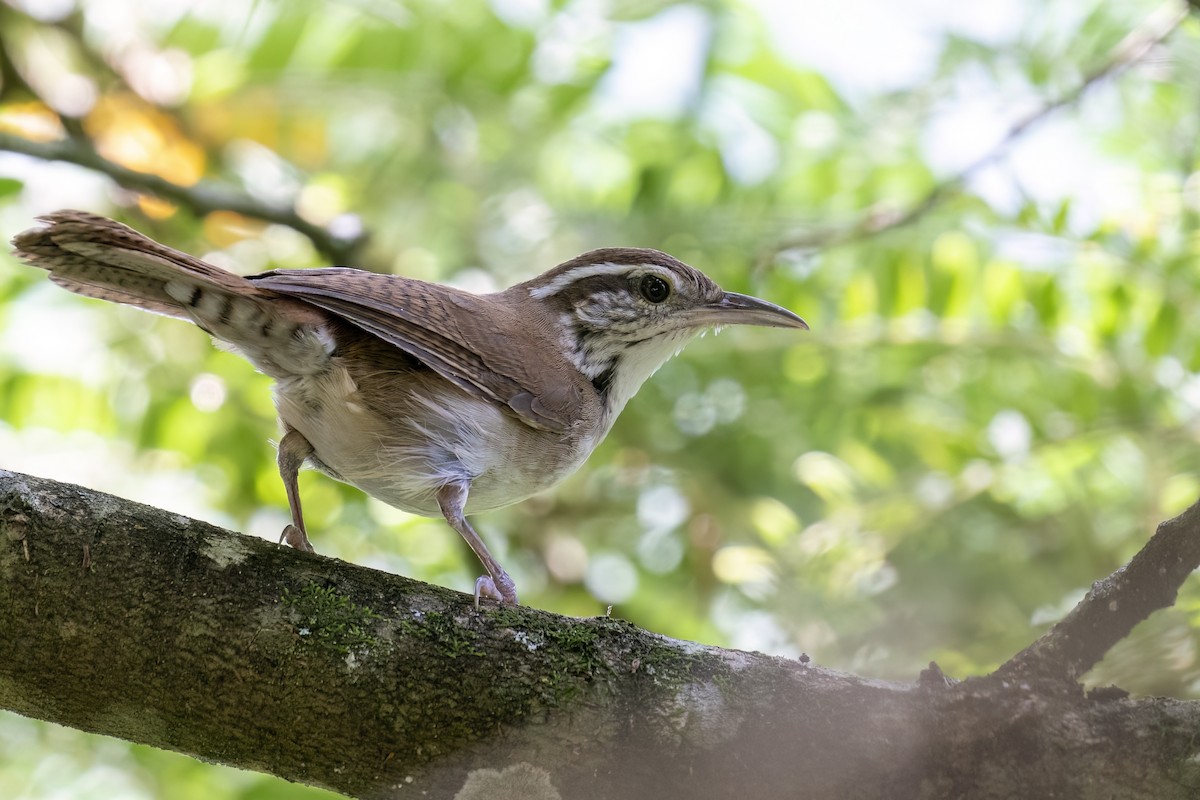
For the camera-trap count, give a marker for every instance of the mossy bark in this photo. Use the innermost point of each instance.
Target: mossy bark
(134, 622)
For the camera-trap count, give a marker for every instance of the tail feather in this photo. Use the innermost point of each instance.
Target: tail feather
(136, 293)
(106, 259)
(97, 257)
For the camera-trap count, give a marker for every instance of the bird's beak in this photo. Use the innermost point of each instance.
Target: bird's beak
(742, 309)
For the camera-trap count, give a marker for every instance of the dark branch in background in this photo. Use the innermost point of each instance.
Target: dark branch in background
(1116, 604)
(1131, 50)
(201, 198)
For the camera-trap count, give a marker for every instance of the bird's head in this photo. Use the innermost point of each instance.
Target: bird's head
(624, 311)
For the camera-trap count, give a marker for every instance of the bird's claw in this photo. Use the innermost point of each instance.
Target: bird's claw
(504, 590)
(296, 538)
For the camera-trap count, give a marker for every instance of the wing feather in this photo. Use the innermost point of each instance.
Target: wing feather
(422, 320)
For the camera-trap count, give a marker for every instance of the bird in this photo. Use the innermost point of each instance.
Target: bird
(434, 400)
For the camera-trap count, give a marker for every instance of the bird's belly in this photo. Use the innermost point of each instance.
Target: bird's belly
(447, 437)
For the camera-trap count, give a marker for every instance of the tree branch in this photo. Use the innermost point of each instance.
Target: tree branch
(201, 198)
(1129, 51)
(134, 622)
(1113, 607)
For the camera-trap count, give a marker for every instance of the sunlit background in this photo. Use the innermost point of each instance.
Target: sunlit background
(996, 404)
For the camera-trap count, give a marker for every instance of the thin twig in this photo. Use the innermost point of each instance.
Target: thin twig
(1129, 51)
(1115, 604)
(201, 198)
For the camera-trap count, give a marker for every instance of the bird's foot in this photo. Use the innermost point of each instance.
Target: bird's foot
(297, 538)
(502, 589)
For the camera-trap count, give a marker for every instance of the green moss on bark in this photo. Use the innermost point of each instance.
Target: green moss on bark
(327, 620)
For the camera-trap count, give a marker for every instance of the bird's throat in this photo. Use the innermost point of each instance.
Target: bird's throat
(617, 369)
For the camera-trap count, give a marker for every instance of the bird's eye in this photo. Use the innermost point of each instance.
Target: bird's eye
(654, 289)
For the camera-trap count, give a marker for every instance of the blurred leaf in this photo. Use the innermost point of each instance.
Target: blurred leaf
(1163, 330)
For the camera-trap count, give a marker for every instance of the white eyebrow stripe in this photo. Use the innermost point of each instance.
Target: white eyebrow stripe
(590, 270)
(578, 273)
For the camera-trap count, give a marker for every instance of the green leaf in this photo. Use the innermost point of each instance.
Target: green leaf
(1160, 336)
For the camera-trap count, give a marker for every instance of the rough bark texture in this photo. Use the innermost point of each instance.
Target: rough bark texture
(1116, 604)
(133, 622)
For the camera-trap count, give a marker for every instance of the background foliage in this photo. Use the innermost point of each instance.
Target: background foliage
(998, 400)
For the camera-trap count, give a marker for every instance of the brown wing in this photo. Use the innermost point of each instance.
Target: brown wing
(422, 319)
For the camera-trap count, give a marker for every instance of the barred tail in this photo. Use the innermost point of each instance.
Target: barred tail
(97, 257)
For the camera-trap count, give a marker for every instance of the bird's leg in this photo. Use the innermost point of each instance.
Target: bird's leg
(293, 449)
(452, 499)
